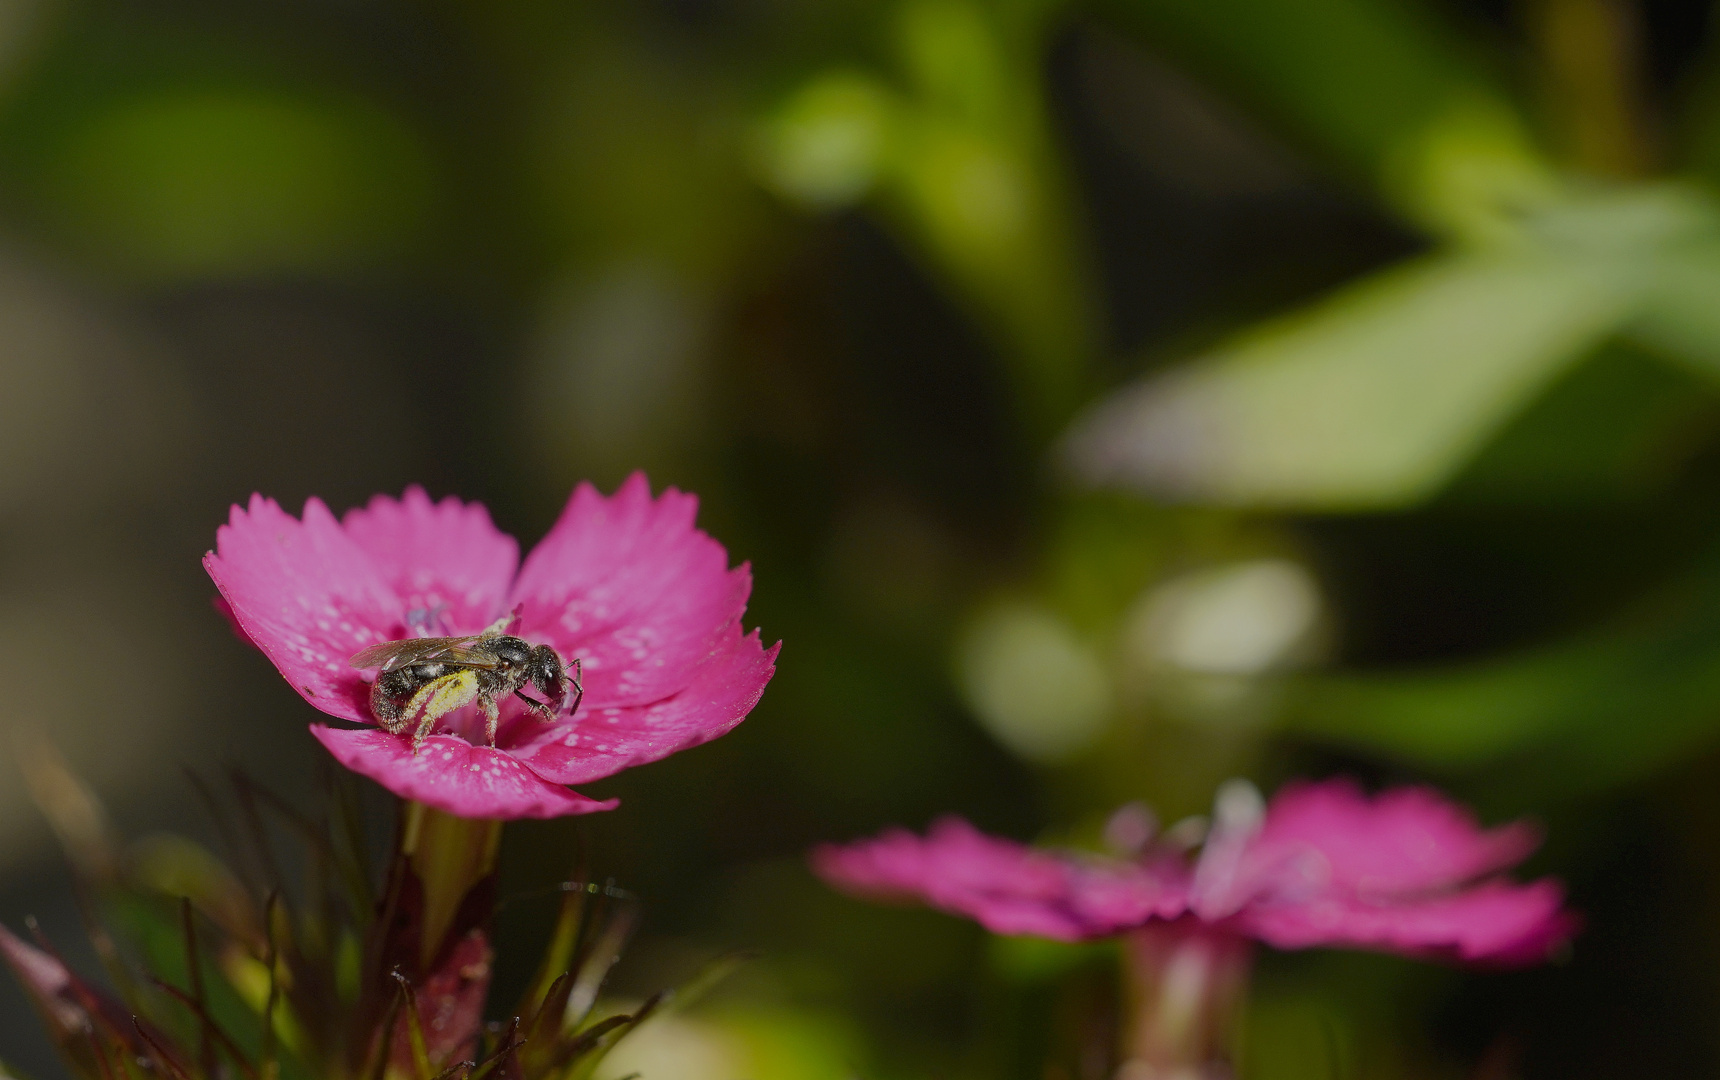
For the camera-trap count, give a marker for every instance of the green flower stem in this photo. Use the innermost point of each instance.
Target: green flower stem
(450, 855)
(1590, 52)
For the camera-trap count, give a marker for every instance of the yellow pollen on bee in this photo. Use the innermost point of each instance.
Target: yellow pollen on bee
(442, 696)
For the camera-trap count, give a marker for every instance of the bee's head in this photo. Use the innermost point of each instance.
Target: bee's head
(544, 668)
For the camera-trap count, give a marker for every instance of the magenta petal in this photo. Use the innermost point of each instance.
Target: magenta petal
(603, 740)
(1120, 896)
(630, 587)
(451, 774)
(442, 557)
(306, 595)
(1006, 887)
(1496, 921)
(1409, 839)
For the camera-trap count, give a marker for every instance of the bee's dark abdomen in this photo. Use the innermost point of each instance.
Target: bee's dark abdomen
(393, 689)
(384, 703)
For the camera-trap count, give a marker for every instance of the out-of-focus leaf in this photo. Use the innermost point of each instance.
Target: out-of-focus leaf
(960, 159)
(198, 182)
(1621, 426)
(1674, 229)
(1031, 960)
(1357, 73)
(97, 1035)
(174, 866)
(1681, 314)
(1583, 714)
(1371, 399)
(1377, 83)
(73, 811)
(1296, 1038)
(977, 182)
(1472, 173)
(635, 159)
(1698, 123)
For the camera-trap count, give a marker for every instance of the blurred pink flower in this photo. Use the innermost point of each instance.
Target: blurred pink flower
(625, 583)
(1005, 886)
(1405, 871)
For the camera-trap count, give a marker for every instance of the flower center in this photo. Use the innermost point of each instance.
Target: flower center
(1220, 887)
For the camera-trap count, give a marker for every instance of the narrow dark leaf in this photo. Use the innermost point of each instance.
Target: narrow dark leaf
(558, 956)
(99, 1051)
(593, 1044)
(352, 854)
(504, 1064)
(227, 1043)
(267, 1061)
(161, 1055)
(706, 979)
(591, 1036)
(414, 1029)
(384, 1039)
(547, 1022)
(257, 833)
(604, 950)
(221, 816)
(193, 965)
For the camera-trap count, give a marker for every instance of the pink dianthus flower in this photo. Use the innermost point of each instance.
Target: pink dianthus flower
(1405, 871)
(625, 584)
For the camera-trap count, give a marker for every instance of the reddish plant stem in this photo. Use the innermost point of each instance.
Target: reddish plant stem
(1184, 984)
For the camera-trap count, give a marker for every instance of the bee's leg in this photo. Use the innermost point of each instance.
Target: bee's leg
(437, 699)
(425, 726)
(545, 713)
(491, 716)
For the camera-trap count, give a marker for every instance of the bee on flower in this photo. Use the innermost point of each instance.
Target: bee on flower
(625, 603)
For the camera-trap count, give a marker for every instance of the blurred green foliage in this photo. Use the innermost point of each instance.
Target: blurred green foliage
(1389, 329)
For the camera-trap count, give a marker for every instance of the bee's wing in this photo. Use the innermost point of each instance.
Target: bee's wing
(389, 655)
(462, 657)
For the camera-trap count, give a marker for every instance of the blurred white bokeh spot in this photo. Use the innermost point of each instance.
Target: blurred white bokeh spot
(675, 1046)
(825, 146)
(1244, 619)
(1035, 685)
(748, 1043)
